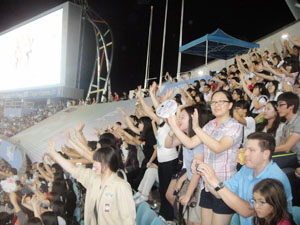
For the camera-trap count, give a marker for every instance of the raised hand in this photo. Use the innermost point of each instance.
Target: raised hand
(67, 133)
(169, 93)
(195, 117)
(80, 126)
(172, 120)
(139, 91)
(51, 148)
(123, 112)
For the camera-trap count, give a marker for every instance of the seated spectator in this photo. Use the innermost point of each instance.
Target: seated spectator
(288, 104)
(271, 122)
(259, 97)
(270, 204)
(241, 114)
(237, 94)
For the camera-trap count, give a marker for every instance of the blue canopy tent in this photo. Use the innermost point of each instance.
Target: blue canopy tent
(217, 45)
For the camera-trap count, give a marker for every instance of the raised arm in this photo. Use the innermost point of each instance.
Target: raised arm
(5, 174)
(239, 118)
(129, 122)
(148, 109)
(275, 47)
(188, 84)
(80, 160)
(70, 152)
(245, 87)
(80, 133)
(64, 163)
(295, 40)
(82, 151)
(152, 95)
(48, 169)
(189, 142)
(132, 140)
(214, 145)
(284, 49)
(288, 74)
(44, 174)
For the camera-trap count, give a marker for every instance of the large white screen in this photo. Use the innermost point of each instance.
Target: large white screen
(30, 55)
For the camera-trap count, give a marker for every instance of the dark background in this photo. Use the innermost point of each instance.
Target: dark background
(129, 23)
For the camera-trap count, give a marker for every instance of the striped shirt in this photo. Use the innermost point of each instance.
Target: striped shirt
(223, 163)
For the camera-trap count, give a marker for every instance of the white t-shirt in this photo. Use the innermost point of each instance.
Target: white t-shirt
(249, 128)
(248, 76)
(164, 154)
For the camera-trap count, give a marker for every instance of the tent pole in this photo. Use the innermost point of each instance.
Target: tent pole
(206, 53)
(163, 46)
(148, 51)
(180, 41)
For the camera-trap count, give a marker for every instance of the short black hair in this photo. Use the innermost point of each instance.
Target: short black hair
(236, 79)
(226, 93)
(291, 99)
(208, 85)
(242, 104)
(266, 141)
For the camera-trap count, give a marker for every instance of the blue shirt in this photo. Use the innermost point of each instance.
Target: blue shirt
(188, 156)
(243, 182)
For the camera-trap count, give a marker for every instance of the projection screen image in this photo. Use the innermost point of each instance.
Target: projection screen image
(30, 55)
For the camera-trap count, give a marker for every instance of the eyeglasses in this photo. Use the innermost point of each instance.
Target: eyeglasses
(257, 202)
(219, 102)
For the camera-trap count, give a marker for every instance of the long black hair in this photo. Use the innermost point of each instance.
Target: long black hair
(262, 89)
(275, 125)
(147, 127)
(204, 116)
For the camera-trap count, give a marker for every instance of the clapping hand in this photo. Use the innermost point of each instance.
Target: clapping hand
(195, 117)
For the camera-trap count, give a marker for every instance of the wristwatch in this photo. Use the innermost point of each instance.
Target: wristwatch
(220, 186)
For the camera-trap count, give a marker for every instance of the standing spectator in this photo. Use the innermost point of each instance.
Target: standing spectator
(116, 97)
(108, 197)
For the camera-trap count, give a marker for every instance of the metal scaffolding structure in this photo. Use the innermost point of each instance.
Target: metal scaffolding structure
(100, 80)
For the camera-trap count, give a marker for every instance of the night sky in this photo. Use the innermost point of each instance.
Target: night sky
(129, 22)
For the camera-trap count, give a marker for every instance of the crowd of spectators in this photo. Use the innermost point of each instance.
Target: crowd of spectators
(229, 146)
(11, 126)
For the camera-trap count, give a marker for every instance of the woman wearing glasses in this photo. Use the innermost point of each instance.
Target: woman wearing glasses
(270, 204)
(221, 138)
